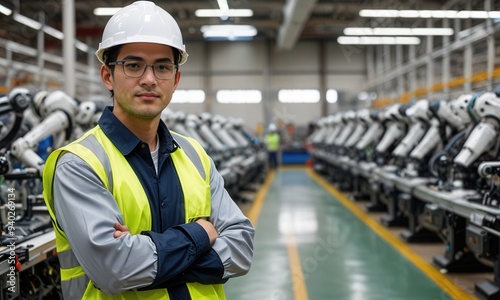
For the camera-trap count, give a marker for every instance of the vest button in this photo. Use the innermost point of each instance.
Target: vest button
(163, 204)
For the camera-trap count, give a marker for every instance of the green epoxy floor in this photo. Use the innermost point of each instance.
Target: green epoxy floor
(341, 257)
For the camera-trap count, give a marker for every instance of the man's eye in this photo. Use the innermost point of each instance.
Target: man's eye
(132, 65)
(163, 67)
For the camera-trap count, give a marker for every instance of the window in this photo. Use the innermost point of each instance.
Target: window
(188, 96)
(239, 96)
(332, 96)
(299, 96)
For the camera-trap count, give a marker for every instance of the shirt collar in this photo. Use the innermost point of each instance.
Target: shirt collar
(125, 140)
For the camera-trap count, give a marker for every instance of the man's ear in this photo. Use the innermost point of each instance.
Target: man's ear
(177, 78)
(107, 77)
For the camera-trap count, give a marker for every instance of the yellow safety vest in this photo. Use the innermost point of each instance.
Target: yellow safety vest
(134, 205)
(273, 141)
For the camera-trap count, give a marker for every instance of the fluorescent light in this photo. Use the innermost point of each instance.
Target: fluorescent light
(299, 96)
(438, 14)
(218, 13)
(397, 31)
(53, 32)
(27, 21)
(230, 32)
(188, 96)
(4, 10)
(375, 40)
(358, 31)
(106, 11)
(432, 31)
(379, 13)
(239, 96)
(223, 5)
(83, 47)
(407, 14)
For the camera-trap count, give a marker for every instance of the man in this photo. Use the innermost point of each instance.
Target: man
(272, 140)
(141, 212)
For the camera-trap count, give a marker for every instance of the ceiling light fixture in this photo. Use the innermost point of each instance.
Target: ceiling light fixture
(53, 32)
(438, 14)
(106, 11)
(218, 13)
(4, 10)
(27, 21)
(228, 32)
(398, 31)
(376, 40)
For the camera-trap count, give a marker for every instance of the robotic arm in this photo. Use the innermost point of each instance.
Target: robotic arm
(394, 131)
(363, 118)
(486, 108)
(336, 123)
(16, 101)
(420, 116)
(350, 118)
(374, 132)
(57, 110)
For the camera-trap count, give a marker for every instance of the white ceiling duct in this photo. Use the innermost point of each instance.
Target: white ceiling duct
(296, 13)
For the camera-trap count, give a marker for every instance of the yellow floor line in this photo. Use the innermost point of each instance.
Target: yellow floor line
(298, 283)
(447, 285)
(254, 212)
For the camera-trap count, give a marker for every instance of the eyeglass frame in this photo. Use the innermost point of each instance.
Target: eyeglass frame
(122, 63)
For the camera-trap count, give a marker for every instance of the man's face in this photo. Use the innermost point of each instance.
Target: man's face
(144, 97)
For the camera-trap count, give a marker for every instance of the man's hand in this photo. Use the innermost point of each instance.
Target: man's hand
(120, 230)
(210, 229)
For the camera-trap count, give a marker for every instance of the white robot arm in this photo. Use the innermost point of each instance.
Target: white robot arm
(57, 110)
(16, 101)
(487, 108)
(363, 119)
(192, 122)
(336, 123)
(419, 115)
(394, 131)
(456, 113)
(374, 132)
(350, 118)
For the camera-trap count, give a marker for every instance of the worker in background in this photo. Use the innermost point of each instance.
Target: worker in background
(141, 212)
(272, 140)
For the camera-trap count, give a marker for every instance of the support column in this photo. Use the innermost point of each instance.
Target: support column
(399, 63)
(207, 85)
(266, 97)
(490, 42)
(412, 75)
(445, 76)
(69, 51)
(430, 62)
(39, 78)
(323, 81)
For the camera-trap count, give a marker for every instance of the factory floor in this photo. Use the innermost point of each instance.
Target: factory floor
(313, 243)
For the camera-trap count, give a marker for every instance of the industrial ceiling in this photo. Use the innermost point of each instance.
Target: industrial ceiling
(281, 21)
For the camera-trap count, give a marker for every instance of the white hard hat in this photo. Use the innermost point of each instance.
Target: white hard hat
(142, 22)
(272, 127)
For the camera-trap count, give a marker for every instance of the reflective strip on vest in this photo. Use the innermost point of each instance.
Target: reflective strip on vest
(96, 149)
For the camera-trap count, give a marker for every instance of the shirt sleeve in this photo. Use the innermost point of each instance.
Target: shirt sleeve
(235, 242)
(86, 211)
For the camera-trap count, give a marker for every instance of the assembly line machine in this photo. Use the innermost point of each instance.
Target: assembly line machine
(433, 168)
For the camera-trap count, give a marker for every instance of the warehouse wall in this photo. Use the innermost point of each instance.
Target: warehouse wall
(257, 65)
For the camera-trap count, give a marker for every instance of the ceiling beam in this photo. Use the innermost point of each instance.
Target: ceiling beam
(295, 15)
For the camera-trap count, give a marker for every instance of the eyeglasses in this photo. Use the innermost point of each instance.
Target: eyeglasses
(132, 68)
